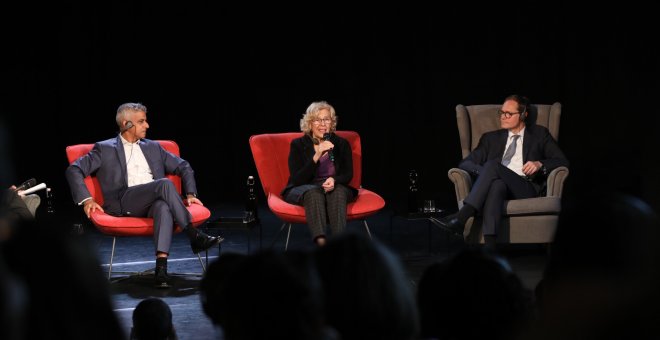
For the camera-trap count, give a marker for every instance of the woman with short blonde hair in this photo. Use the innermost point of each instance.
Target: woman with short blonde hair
(320, 169)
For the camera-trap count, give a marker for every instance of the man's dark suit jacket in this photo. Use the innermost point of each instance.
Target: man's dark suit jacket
(303, 168)
(108, 161)
(538, 145)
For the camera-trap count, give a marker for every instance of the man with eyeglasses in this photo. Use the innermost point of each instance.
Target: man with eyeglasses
(510, 163)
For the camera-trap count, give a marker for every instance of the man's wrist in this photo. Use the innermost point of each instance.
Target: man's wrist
(543, 169)
(191, 195)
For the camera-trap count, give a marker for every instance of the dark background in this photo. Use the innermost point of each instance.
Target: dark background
(212, 75)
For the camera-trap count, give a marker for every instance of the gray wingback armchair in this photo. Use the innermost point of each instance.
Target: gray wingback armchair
(530, 220)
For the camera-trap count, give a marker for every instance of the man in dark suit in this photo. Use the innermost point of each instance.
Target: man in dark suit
(510, 163)
(131, 171)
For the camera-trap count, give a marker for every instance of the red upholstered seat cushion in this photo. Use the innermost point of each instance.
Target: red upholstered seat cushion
(141, 226)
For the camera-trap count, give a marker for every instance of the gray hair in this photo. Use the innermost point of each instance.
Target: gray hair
(125, 108)
(312, 113)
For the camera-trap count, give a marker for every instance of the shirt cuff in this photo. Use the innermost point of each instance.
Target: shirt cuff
(85, 200)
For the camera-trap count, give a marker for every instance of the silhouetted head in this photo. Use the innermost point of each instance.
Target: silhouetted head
(473, 295)
(367, 292)
(152, 320)
(601, 280)
(265, 296)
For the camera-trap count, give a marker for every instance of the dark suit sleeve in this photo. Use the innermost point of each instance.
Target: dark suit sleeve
(553, 157)
(81, 168)
(474, 162)
(344, 160)
(301, 164)
(176, 165)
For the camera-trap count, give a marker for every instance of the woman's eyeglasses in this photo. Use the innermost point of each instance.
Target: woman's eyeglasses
(318, 121)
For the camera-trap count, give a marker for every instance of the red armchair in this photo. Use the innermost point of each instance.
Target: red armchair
(130, 226)
(271, 154)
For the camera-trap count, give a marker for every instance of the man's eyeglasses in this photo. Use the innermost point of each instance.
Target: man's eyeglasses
(318, 121)
(507, 114)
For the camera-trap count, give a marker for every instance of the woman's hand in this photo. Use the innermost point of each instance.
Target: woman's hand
(329, 184)
(325, 146)
(321, 148)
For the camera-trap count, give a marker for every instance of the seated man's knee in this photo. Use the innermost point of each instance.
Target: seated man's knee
(497, 185)
(491, 165)
(160, 206)
(165, 184)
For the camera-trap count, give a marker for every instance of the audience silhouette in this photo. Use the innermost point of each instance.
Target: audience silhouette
(152, 320)
(367, 293)
(51, 285)
(213, 287)
(13, 304)
(601, 280)
(264, 296)
(70, 300)
(473, 295)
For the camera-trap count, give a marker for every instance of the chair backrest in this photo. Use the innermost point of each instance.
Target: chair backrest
(475, 120)
(74, 152)
(271, 157)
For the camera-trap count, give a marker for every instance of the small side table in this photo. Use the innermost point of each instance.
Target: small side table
(237, 223)
(430, 217)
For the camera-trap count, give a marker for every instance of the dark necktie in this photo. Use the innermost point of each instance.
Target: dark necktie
(510, 151)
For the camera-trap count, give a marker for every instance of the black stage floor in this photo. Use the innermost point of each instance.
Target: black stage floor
(417, 242)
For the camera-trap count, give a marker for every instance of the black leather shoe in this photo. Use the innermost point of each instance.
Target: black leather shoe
(452, 225)
(162, 280)
(202, 242)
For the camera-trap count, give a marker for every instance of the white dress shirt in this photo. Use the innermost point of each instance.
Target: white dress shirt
(516, 163)
(137, 168)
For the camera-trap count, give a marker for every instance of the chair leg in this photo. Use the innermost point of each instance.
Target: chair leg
(148, 271)
(366, 226)
(202, 263)
(288, 234)
(278, 234)
(112, 255)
